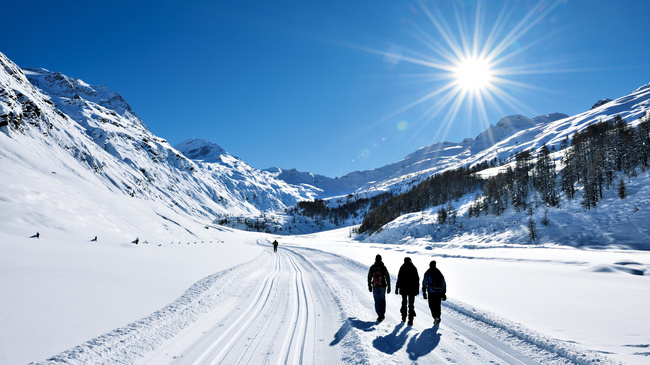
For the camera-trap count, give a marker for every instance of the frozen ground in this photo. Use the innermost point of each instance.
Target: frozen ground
(228, 299)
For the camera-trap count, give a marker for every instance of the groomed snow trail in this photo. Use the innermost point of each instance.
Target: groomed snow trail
(278, 312)
(305, 306)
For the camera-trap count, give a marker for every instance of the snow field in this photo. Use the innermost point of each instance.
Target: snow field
(302, 305)
(59, 292)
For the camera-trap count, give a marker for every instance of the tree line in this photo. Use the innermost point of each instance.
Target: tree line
(351, 208)
(435, 190)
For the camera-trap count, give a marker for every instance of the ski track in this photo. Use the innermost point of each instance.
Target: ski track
(303, 305)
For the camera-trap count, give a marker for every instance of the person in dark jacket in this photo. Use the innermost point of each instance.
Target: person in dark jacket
(275, 245)
(408, 284)
(379, 285)
(434, 285)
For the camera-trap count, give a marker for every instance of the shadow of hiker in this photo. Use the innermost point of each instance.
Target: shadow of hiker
(392, 342)
(423, 343)
(348, 325)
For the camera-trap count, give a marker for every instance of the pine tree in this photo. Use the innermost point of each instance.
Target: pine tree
(622, 189)
(544, 177)
(442, 216)
(451, 213)
(521, 180)
(532, 233)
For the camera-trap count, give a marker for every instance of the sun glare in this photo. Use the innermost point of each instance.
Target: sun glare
(473, 74)
(470, 62)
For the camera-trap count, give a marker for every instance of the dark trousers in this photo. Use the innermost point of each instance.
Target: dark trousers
(410, 299)
(379, 294)
(434, 304)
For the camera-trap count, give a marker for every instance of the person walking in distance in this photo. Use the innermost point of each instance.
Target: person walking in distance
(275, 245)
(434, 285)
(408, 284)
(379, 285)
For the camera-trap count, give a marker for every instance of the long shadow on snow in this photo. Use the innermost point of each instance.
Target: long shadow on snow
(422, 344)
(348, 325)
(392, 342)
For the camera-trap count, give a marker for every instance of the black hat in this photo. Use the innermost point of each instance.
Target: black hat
(378, 258)
(432, 264)
(407, 259)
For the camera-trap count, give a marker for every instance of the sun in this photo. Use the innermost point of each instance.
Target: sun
(473, 74)
(472, 66)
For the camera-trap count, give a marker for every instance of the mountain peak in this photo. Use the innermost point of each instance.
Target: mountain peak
(58, 84)
(200, 149)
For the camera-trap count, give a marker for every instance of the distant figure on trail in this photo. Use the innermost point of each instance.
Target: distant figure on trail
(379, 285)
(137, 240)
(408, 284)
(275, 245)
(94, 239)
(435, 286)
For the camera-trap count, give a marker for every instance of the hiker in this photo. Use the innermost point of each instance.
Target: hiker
(275, 245)
(434, 285)
(379, 285)
(408, 284)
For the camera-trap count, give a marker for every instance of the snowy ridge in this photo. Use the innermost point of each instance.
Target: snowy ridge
(55, 124)
(508, 136)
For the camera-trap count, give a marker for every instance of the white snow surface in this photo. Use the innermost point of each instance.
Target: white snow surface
(227, 298)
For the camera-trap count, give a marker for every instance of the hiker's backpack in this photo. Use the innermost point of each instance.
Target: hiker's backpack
(436, 282)
(378, 277)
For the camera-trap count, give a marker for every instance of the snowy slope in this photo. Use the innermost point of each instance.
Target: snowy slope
(62, 128)
(256, 187)
(614, 222)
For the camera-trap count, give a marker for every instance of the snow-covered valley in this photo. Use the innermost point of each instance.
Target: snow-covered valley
(109, 250)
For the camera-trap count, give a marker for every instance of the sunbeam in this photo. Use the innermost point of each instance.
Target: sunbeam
(473, 67)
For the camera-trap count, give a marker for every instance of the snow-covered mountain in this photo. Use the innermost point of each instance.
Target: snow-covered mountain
(508, 136)
(54, 125)
(58, 128)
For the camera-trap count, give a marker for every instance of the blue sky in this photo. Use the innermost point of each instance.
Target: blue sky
(334, 86)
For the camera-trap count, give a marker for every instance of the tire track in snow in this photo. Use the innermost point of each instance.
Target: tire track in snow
(283, 324)
(232, 333)
(300, 318)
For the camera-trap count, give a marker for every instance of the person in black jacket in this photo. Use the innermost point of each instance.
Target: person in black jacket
(435, 286)
(379, 285)
(408, 284)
